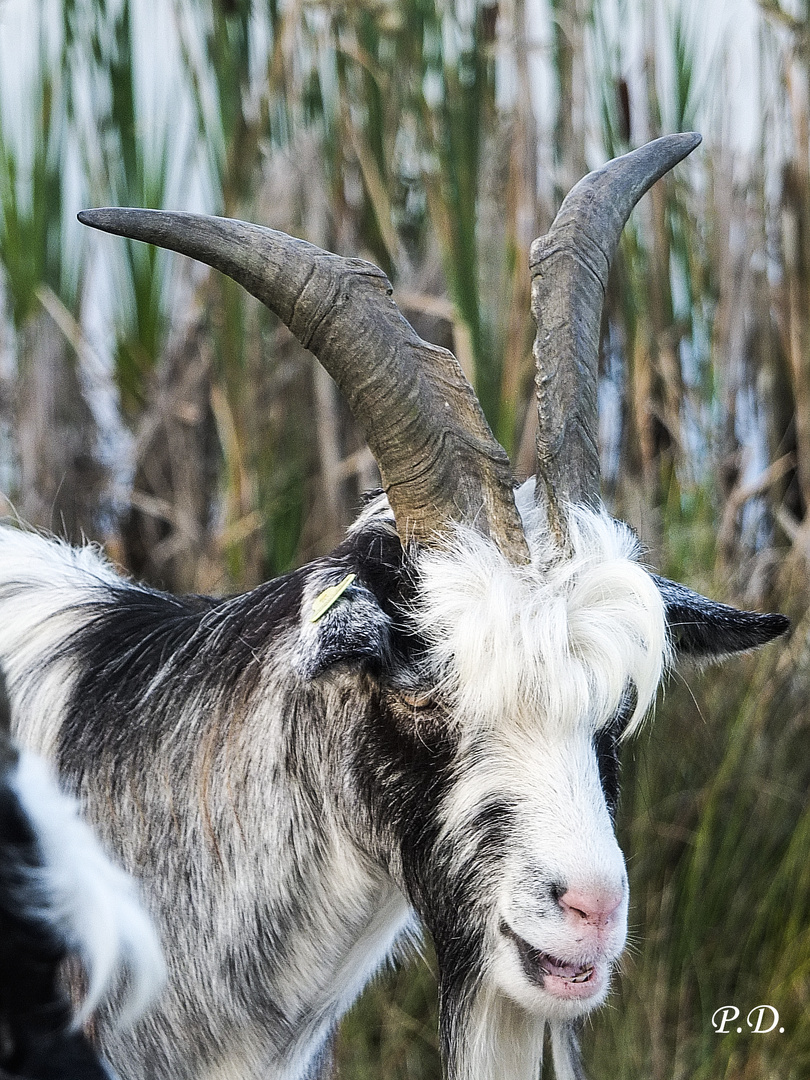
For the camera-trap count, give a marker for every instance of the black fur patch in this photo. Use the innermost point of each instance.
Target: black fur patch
(405, 764)
(134, 636)
(606, 744)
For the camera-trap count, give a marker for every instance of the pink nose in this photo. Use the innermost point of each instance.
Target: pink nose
(596, 907)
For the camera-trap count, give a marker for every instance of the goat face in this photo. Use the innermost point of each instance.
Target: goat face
(486, 760)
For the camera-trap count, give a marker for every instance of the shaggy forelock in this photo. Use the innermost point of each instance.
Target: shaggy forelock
(569, 637)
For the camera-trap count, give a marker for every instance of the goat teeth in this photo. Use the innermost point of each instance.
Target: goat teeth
(582, 976)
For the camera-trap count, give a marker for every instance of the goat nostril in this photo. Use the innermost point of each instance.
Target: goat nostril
(597, 906)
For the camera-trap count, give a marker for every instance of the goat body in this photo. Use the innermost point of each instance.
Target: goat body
(296, 795)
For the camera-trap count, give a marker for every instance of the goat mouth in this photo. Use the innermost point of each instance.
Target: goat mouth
(559, 977)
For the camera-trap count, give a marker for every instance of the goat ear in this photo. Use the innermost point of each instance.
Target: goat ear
(352, 627)
(701, 629)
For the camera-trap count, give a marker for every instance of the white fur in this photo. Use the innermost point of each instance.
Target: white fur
(566, 634)
(91, 902)
(564, 1053)
(500, 1040)
(43, 581)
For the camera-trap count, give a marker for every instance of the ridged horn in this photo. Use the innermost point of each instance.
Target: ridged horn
(570, 267)
(439, 460)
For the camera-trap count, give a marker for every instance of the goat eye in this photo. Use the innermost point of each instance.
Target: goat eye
(416, 699)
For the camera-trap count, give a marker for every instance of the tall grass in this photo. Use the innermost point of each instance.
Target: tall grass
(406, 132)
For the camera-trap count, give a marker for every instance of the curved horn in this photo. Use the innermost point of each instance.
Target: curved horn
(570, 267)
(439, 460)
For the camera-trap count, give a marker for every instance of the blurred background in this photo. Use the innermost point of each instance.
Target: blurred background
(150, 405)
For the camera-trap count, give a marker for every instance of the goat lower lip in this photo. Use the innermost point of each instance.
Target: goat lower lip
(538, 965)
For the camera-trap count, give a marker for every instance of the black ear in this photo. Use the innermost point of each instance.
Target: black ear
(704, 630)
(352, 628)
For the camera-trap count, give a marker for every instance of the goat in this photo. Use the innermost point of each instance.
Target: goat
(60, 896)
(420, 728)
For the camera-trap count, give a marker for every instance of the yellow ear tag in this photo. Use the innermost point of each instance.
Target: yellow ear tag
(323, 601)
